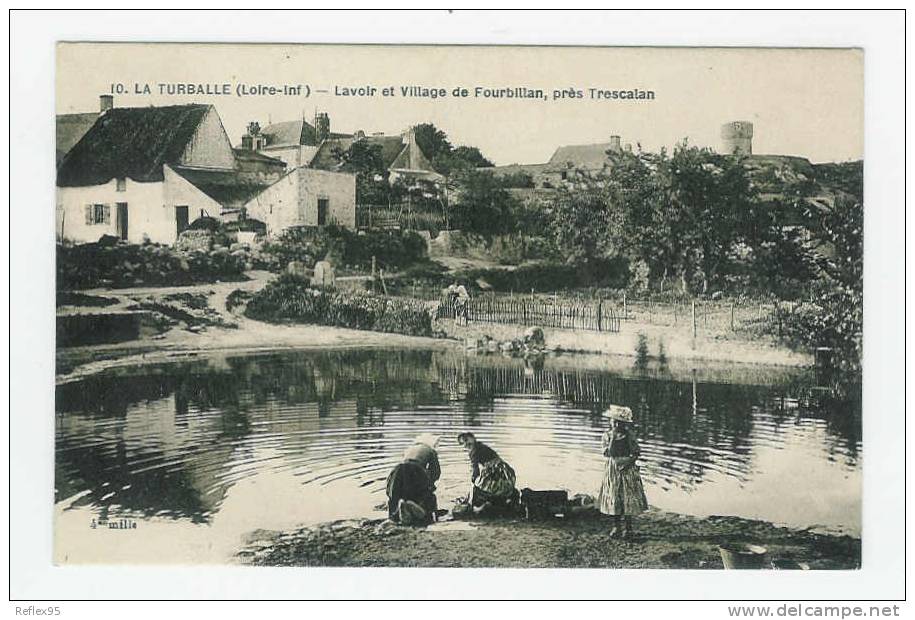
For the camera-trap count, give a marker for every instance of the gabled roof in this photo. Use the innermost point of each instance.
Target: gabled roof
(290, 133)
(512, 169)
(70, 129)
(325, 159)
(589, 156)
(412, 158)
(294, 133)
(131, 142)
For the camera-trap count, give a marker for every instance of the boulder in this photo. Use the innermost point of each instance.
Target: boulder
(533, 336)
(298, 269)
(195, 240)
(324, 275)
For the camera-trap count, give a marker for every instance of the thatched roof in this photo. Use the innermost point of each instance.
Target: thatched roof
(131, 142)
(70, 129)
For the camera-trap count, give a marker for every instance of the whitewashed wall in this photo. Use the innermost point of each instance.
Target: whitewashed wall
(150, 207)
(293, 200)
(146, 214)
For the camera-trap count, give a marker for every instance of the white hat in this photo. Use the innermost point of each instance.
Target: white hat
(427, 439)
(618, 412)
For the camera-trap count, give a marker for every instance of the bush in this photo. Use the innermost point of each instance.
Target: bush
(391, 249)
(550, 277)
(834, 320)
(290, 298)
(122, 265)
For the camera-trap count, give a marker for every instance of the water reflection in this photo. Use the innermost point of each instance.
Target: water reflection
(172, 441)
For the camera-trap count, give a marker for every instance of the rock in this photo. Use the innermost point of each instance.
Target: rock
(324, 275)
(534, 336)
(299, 269)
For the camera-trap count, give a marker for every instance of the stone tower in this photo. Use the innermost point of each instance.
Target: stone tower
(737, 138)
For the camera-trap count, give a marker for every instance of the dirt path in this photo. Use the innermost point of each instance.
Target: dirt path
(664, 540)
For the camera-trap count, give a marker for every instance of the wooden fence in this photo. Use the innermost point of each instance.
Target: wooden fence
(708, 315)
(599, 316)
(396, 216)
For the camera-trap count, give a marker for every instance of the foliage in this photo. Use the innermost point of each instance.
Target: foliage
(517, 180)
(686, 215)
(482, 205)
(845, 176)
(290, 298)
(122, 265)
(392, 249)
(550, 277)
(444, 157)
(364, 159)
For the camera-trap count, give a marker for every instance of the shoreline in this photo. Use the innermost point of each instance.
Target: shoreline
(663, 540)
(244, 335)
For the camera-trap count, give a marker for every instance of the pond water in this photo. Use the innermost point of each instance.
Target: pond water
(198, 454)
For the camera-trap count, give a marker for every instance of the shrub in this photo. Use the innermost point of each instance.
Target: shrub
(391, 249)
(121, 265)
(290, 298)
(549, 277)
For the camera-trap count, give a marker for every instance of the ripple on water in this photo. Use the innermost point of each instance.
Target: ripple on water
(178, 440)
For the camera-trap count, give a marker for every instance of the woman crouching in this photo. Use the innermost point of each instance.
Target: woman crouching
(492, 479)
(621, 492)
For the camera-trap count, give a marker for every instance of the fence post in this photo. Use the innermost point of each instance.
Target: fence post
(650, 317)
(778, 317)
(373, 273)
(625, 308)
(600, 308)
(695, 325)
(732, 316)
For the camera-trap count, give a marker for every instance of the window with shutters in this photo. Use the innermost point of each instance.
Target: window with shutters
(98, 214)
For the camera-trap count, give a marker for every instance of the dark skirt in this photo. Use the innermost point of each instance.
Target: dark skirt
(496, 481)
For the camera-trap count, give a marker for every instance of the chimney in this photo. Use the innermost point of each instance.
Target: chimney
(615, 143)
(106, 102)
(322, 126)
(253, 140)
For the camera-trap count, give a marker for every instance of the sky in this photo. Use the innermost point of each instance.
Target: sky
(803, 102)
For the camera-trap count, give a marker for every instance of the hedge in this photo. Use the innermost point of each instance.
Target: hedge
(290, 298)
(119, 265)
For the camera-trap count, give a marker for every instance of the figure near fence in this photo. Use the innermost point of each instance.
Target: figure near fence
(459, 300)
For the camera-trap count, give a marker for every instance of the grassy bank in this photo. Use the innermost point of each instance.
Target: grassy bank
(663, 540)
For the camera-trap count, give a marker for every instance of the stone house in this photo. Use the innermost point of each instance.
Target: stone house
(143, 174)
(306, 197)
(301, 144)
(568, 164)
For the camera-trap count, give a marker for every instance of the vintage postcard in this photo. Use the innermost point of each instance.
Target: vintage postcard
(432, 306)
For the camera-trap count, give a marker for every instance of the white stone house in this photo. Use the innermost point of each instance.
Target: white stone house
(306, 197)
(144, 174)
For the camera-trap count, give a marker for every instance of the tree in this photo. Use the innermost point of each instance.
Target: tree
(365, 160)
(470, 155)
(446, 158)
(482, 205)
(683, 214)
